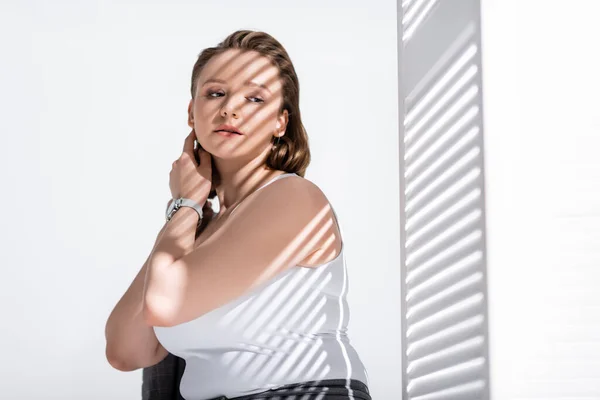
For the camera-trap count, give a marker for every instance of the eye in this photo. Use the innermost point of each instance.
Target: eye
(211, 93)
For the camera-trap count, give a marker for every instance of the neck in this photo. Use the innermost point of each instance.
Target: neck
(239, 178)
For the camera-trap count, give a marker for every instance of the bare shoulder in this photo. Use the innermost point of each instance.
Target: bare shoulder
(298, 186)
(294, 193)
(304, 200)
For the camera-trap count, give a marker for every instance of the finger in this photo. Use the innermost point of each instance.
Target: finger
(188, 144)
(196, 156)
(204, 157)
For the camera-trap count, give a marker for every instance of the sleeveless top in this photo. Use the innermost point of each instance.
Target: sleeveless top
(290, 329)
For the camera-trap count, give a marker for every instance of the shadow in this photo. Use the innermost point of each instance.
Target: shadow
(443, 250)
(292, 323)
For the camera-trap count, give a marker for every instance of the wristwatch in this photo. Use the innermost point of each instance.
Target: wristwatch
(176, 204)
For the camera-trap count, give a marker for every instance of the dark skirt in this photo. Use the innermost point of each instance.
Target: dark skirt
(327, 389)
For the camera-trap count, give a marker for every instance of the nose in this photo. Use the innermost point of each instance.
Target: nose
(229, 110)
(225, 114)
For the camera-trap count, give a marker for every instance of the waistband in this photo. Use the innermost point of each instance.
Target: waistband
(334, 389)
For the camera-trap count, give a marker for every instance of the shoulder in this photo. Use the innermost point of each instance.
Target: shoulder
(297, 201)
(292, 193)
(297, 185)
(290, 201)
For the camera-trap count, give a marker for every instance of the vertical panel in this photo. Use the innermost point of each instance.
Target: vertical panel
(444, 298)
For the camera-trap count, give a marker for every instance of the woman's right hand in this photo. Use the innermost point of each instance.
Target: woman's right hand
(188, 178)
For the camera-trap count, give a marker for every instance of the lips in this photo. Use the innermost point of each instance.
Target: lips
(228, 128)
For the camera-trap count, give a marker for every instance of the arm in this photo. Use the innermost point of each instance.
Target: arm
(130, 342)
(271, 231)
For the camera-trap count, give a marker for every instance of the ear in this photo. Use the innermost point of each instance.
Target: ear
(282, 122)
(191, 114)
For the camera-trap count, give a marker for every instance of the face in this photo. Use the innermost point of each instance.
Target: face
(243, 90)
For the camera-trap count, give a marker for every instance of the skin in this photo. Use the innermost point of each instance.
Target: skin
(287, 223)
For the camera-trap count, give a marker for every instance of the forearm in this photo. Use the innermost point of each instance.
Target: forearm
(130, 342)
(176, 241)
(162, 282)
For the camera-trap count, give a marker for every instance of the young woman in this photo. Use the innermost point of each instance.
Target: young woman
(252, 297)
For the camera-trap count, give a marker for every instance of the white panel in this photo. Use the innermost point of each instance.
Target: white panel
(443, 225)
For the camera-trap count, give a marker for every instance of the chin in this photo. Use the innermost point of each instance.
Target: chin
(223, 152)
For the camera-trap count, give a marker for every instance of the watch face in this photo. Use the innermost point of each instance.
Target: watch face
(172, 208)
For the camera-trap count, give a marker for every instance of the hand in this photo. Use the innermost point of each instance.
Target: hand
(187, 178)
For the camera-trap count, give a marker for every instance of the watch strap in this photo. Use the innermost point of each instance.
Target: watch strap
(176, 204)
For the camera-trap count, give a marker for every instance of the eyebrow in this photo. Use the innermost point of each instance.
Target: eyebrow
(247, 83)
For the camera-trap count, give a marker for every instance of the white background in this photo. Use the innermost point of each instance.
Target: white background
(93, 98)
(542, 154)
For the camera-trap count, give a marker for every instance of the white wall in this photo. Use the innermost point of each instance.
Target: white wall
(93, 100)
(542, 139)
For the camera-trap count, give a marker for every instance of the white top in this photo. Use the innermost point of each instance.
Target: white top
(290, 329)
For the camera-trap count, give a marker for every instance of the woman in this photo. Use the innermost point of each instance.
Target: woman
(252, 297)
